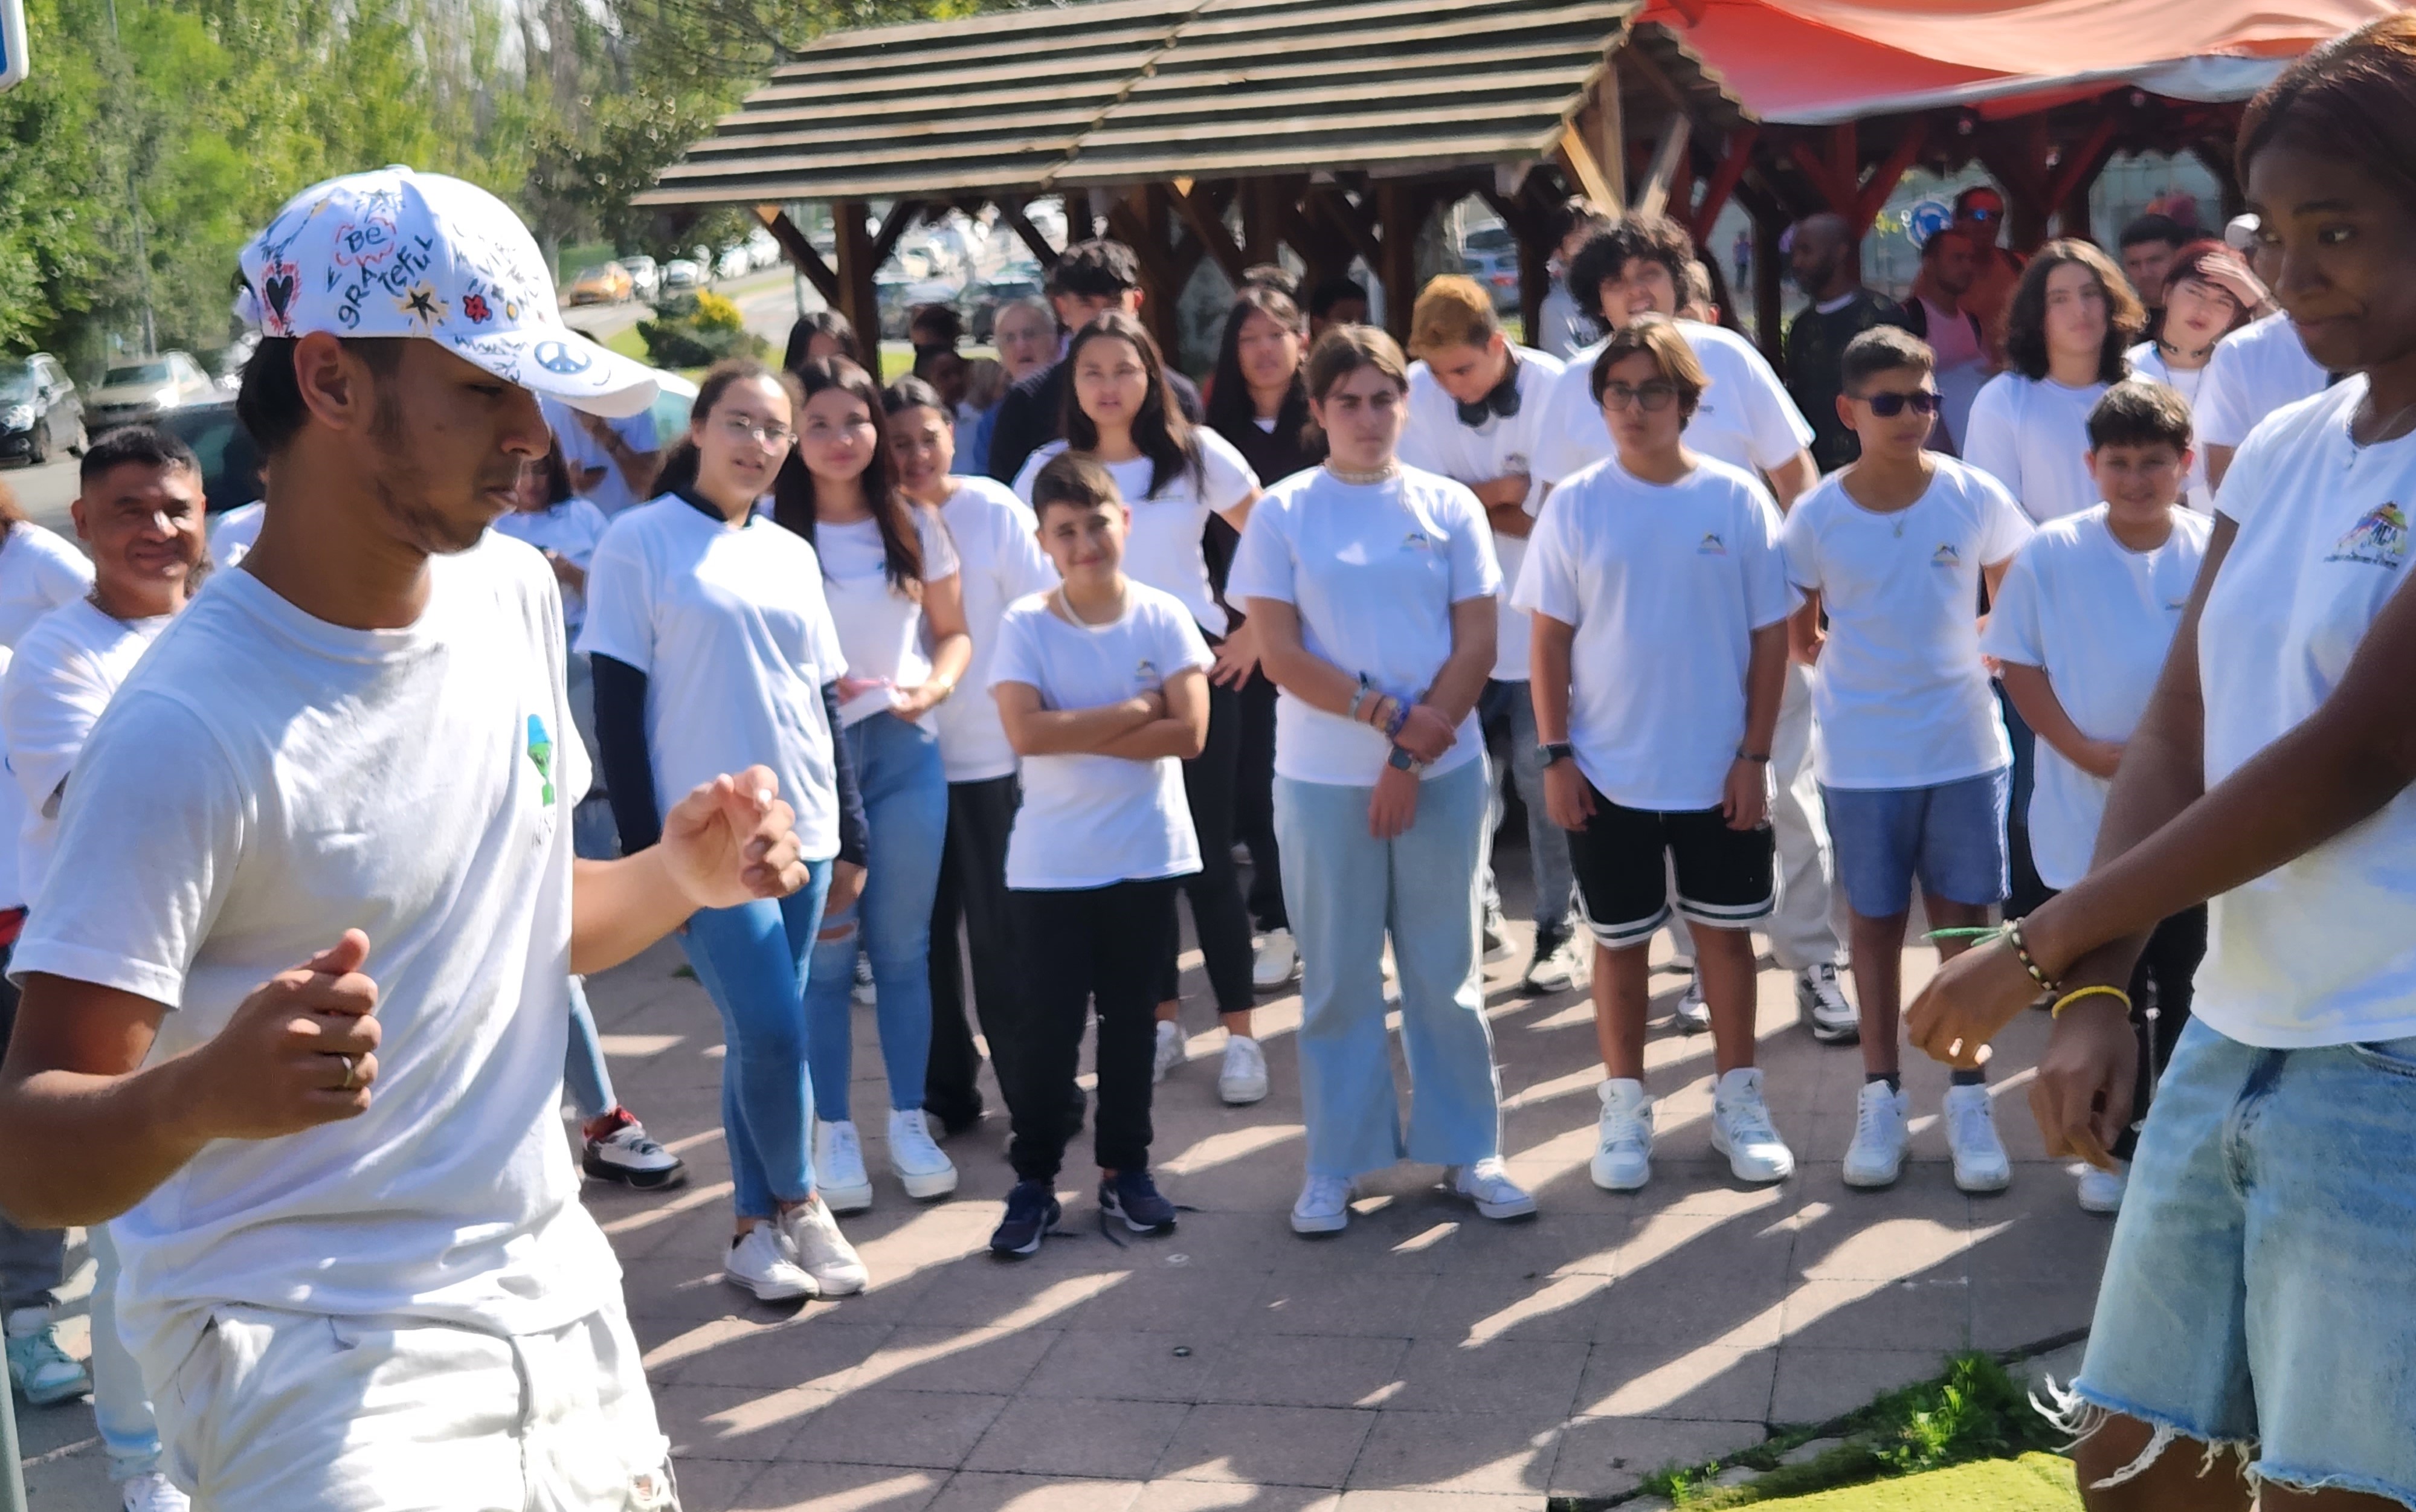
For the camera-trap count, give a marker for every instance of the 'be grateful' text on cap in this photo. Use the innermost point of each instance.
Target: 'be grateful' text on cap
(396, 252)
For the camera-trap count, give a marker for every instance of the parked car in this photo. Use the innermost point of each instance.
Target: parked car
(39, 409)
(763, 249)
(606, 283)
(1490, 254)
(645, 276)
(732, 263)
(984, 300)
(900, 297)
(142, 388)
(680, 276)
(230, 462)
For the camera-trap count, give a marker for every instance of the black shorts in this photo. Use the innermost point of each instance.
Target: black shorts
(1624, 857)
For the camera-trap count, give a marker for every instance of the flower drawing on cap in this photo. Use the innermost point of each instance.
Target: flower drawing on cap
(422, 305)
(475, 309)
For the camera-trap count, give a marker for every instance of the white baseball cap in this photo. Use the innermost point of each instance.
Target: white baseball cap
(398, 252)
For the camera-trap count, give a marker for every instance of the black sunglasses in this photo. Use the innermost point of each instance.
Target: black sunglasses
(1888, 406)
(1980, 212)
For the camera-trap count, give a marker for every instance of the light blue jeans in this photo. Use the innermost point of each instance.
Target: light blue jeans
(906, 808)
(752, 962)
(2257, 1295)
(584, 1075)
(121, 1408)
(1348, 890)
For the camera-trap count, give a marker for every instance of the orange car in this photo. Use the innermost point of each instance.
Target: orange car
(607, 283)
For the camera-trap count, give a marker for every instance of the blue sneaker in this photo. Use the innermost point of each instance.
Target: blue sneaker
(1134, 1198)
(1032, 1211)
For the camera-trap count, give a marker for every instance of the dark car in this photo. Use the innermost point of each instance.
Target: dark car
(39, 409)
(986, 300)
(230, 462)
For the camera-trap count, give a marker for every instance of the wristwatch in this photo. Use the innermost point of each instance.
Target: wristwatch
(1761, 759)
(1555, 750)
(1401, 760)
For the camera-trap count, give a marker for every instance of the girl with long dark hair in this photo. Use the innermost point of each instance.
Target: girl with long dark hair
(890, 572)
(2074, 317)
(1174, 476)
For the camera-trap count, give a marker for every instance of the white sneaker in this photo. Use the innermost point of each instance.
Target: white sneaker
(1324, 1205)
(1279, 963)
(838, 1167)
(760, 1262)
(152, 1492)
(1170, 1050)
(1741, 1130)
(915, 1160)
(1877, 1155)
(1488, 1183)
(2101, 1191)
(822, 1251)
(1555, 970)
(1244, 1078)
(1979, 1163)
(1694, 1014)
(1494, 934)
(1821, 998)
(1622, 1155)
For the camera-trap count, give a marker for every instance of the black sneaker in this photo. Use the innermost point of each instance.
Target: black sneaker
(957, 1116)
(1134, 1198)
(1032, 1211)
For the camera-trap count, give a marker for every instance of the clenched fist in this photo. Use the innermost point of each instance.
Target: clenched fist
(301, 1050)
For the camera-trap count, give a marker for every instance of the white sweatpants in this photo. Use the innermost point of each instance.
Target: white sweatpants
(289, 1412)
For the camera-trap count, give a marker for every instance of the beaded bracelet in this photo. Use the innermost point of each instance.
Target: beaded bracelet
(2077, 993)
(1360, 697)
(2022, 953)
(1400, 716)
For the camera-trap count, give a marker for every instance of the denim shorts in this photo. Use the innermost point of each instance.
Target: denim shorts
(2257, 1296)
(1951, 836)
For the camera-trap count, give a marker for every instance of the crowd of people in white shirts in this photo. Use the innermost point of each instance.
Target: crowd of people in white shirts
(1732, 696)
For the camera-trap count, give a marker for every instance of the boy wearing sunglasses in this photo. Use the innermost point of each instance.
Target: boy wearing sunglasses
(1659, 650)
(1914, 766)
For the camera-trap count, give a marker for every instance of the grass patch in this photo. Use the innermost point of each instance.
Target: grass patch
(1975, 1410)
(2034, 1483)
(627, 342)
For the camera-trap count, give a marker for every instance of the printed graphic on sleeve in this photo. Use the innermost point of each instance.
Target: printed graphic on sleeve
(540, 752)
(2379, 539)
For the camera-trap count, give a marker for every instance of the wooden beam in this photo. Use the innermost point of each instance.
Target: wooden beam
(1649, 71)
(858, 299)
(1834, 196)
(1723, 182)
(1769, 334)
(1577, 160)
(1142, 225)
(1011, 211)
(800, 251)
(1668, 155)
(1609, 140)
(1873, 192)
(1400, 210)
(900, 219)
(1328, 202)
(2067, 192)
(1207, 226)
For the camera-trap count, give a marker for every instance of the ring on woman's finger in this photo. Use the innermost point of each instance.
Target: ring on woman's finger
(352, 1073)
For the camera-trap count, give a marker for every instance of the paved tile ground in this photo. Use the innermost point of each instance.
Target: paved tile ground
(1424, 1360)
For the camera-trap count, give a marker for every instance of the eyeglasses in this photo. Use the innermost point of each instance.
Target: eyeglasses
(1888, 406)
(1652, 397)
(739, 428)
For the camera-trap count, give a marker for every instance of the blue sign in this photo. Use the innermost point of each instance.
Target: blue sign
(12, 44)
(1926, 218)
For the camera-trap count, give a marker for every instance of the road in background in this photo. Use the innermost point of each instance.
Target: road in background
(44, 492)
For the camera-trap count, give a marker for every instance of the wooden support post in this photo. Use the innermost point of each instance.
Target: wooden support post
(1607, 140)
(1592, 180)
(1262, 223)
(1011, 211)
(800, 251)
(1769, 333)
(858, 299)
(1140, 220)
(1873, 195)
(2068, 190)
(1738, 157)
(1401, 212)
(1668, 155)
(1207, 227)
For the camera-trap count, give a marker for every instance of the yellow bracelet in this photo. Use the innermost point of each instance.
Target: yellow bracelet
(2077, 993)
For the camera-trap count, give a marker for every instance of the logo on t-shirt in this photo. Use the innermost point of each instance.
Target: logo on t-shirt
(1712, 545)
(541, 751)
(1147, 671)
(1946, 556)
(2379, 539)
(1416, 541)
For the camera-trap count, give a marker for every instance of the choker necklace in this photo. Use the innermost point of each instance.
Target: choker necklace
(1390, 469)
(2200, 356)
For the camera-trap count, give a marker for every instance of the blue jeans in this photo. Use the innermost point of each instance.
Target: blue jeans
(1347, 891)
(753, 961)
(121, 1408)
(906, 808)
(584, 1075)
(1508, 713)
(2257, 1293)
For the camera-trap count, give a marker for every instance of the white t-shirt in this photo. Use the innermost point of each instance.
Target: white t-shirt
(609, 492)
(2255, 371)
(1436, 440)
(2147, 361)
(1087, 820)
(40, 570)
(1666, 586)
(232, 533)
(1900, 694)
(1745, 418)
(416, 784)
(68, 667)
(2097, 617)
(2317, 952)
(569, 530)
(2033, 436)
(1373, 570)
(1163, 549)
(999, 560)
(732, 630)
(12, 817)
(880, 629)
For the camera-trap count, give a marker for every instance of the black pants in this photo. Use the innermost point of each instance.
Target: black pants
(1101, 945)
(1218, 915)
(972, 888)
(1254, 803)
(2167, 976)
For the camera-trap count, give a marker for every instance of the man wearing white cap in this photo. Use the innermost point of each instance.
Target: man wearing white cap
(293, 1019)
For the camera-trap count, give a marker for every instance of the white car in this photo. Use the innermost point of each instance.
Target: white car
(763, 249)
(680, 276)
(734, 263)
(646, 275)
(139, 388)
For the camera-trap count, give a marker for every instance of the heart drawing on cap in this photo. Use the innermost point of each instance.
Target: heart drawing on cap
(278, 289)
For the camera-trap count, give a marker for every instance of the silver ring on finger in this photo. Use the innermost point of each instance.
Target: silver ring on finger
(351, 1072)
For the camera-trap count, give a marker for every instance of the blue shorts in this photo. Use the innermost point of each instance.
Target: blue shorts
(1951, 837)
(2257, 1295)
